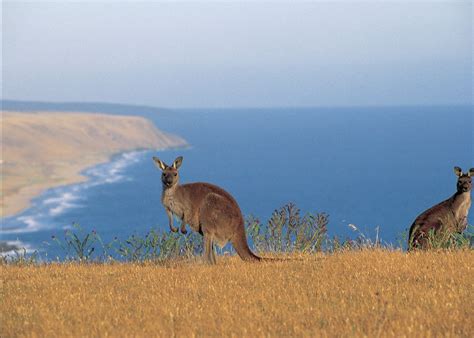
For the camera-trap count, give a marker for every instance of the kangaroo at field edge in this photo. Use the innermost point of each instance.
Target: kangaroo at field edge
(207, 209)
(449, 215)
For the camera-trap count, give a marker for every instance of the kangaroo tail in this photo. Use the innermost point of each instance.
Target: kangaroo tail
(240, 245)
(280, 259)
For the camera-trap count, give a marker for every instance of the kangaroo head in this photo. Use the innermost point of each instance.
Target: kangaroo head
(169, 175)
(464, 179)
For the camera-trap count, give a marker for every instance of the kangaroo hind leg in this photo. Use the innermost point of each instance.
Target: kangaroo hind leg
(209, 253)
(213, 253)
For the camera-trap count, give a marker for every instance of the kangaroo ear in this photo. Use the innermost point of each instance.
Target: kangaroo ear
(470, 172)
(160, 164)
(458, 171)
(177, 162)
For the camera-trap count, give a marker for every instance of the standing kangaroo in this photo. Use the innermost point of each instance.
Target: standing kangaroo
(449, 215)
(207, 209)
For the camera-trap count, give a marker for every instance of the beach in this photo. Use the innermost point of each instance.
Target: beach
(43, 150)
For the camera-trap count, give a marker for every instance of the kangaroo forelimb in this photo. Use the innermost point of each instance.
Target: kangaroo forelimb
(170, 221)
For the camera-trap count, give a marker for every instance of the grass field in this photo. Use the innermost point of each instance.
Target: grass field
(354, 293)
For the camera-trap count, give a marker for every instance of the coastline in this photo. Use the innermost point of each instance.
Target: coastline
(48, 150)
(62, 195)
(21, 200)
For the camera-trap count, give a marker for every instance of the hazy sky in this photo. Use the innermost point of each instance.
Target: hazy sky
(236, 54)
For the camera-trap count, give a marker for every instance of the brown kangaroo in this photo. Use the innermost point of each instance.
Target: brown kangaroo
(207, 209)
(449, 215)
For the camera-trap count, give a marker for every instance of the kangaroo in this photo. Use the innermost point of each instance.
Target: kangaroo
(449, 215)
(207, 209)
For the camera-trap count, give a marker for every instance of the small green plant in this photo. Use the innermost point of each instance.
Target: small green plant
(363, 241)
(447, 240)
(78, 244)
(402, 239)
(337, 245)
(20, 257)
(133, 249)
(288, 231)
(159, 246)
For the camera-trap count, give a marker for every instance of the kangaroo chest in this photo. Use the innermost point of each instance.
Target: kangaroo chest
(180, 208)
(462, 209)
(173, 204)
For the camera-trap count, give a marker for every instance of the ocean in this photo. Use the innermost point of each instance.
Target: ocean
(371, 167)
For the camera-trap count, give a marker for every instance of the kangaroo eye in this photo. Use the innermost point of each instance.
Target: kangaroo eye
(175, 174)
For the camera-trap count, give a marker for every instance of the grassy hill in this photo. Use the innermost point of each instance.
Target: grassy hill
(353, 293)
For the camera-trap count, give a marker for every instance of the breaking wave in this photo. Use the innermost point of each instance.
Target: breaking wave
(56, 201)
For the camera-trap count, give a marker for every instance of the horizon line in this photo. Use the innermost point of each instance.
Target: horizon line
(144, 105)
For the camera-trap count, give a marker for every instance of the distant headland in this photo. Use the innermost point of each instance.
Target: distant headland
(45, 147)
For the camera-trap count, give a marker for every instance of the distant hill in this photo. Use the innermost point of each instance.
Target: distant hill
(86, 107)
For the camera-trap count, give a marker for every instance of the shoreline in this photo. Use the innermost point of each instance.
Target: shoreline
(79, 176)
(45, 150)
(22, 200)
(76, 174)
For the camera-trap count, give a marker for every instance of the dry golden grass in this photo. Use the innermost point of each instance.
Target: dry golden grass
(368, 293)
(43, 150)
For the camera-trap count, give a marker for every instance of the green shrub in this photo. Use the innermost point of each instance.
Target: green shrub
(288, 231)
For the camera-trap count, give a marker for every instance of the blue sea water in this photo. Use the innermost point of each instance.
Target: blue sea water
(372, 167)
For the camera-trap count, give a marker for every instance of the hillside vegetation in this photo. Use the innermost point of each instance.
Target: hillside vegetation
(351, 293)
(43, 150)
